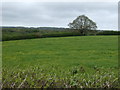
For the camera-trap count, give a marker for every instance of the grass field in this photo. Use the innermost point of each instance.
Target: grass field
(61, 62)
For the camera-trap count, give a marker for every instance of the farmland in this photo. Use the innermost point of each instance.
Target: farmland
(79, 61)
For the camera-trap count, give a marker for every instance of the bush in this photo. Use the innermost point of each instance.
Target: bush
(109, 33)
(38, 77)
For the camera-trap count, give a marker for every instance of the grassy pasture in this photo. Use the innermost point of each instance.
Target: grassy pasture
(61, 60)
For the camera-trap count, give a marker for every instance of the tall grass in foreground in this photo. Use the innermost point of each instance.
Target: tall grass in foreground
(38, 77)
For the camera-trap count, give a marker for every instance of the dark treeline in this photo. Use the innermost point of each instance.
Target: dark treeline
(17, 33)
(109, 33)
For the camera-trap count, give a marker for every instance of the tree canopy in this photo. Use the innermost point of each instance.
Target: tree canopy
(83, 23)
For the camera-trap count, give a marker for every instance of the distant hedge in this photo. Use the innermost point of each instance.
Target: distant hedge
(18, 33)
(109, 33)
(29, 33)
(35, 35)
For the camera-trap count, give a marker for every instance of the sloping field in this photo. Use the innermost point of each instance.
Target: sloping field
(61, 60)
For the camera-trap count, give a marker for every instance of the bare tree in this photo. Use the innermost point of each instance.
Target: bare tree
(83, 24)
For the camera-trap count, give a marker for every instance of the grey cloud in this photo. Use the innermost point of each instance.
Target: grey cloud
(59, 14)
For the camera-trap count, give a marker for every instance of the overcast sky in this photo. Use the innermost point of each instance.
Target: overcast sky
(59, 14)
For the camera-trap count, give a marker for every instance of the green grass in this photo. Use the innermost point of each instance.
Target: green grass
(59, 57)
